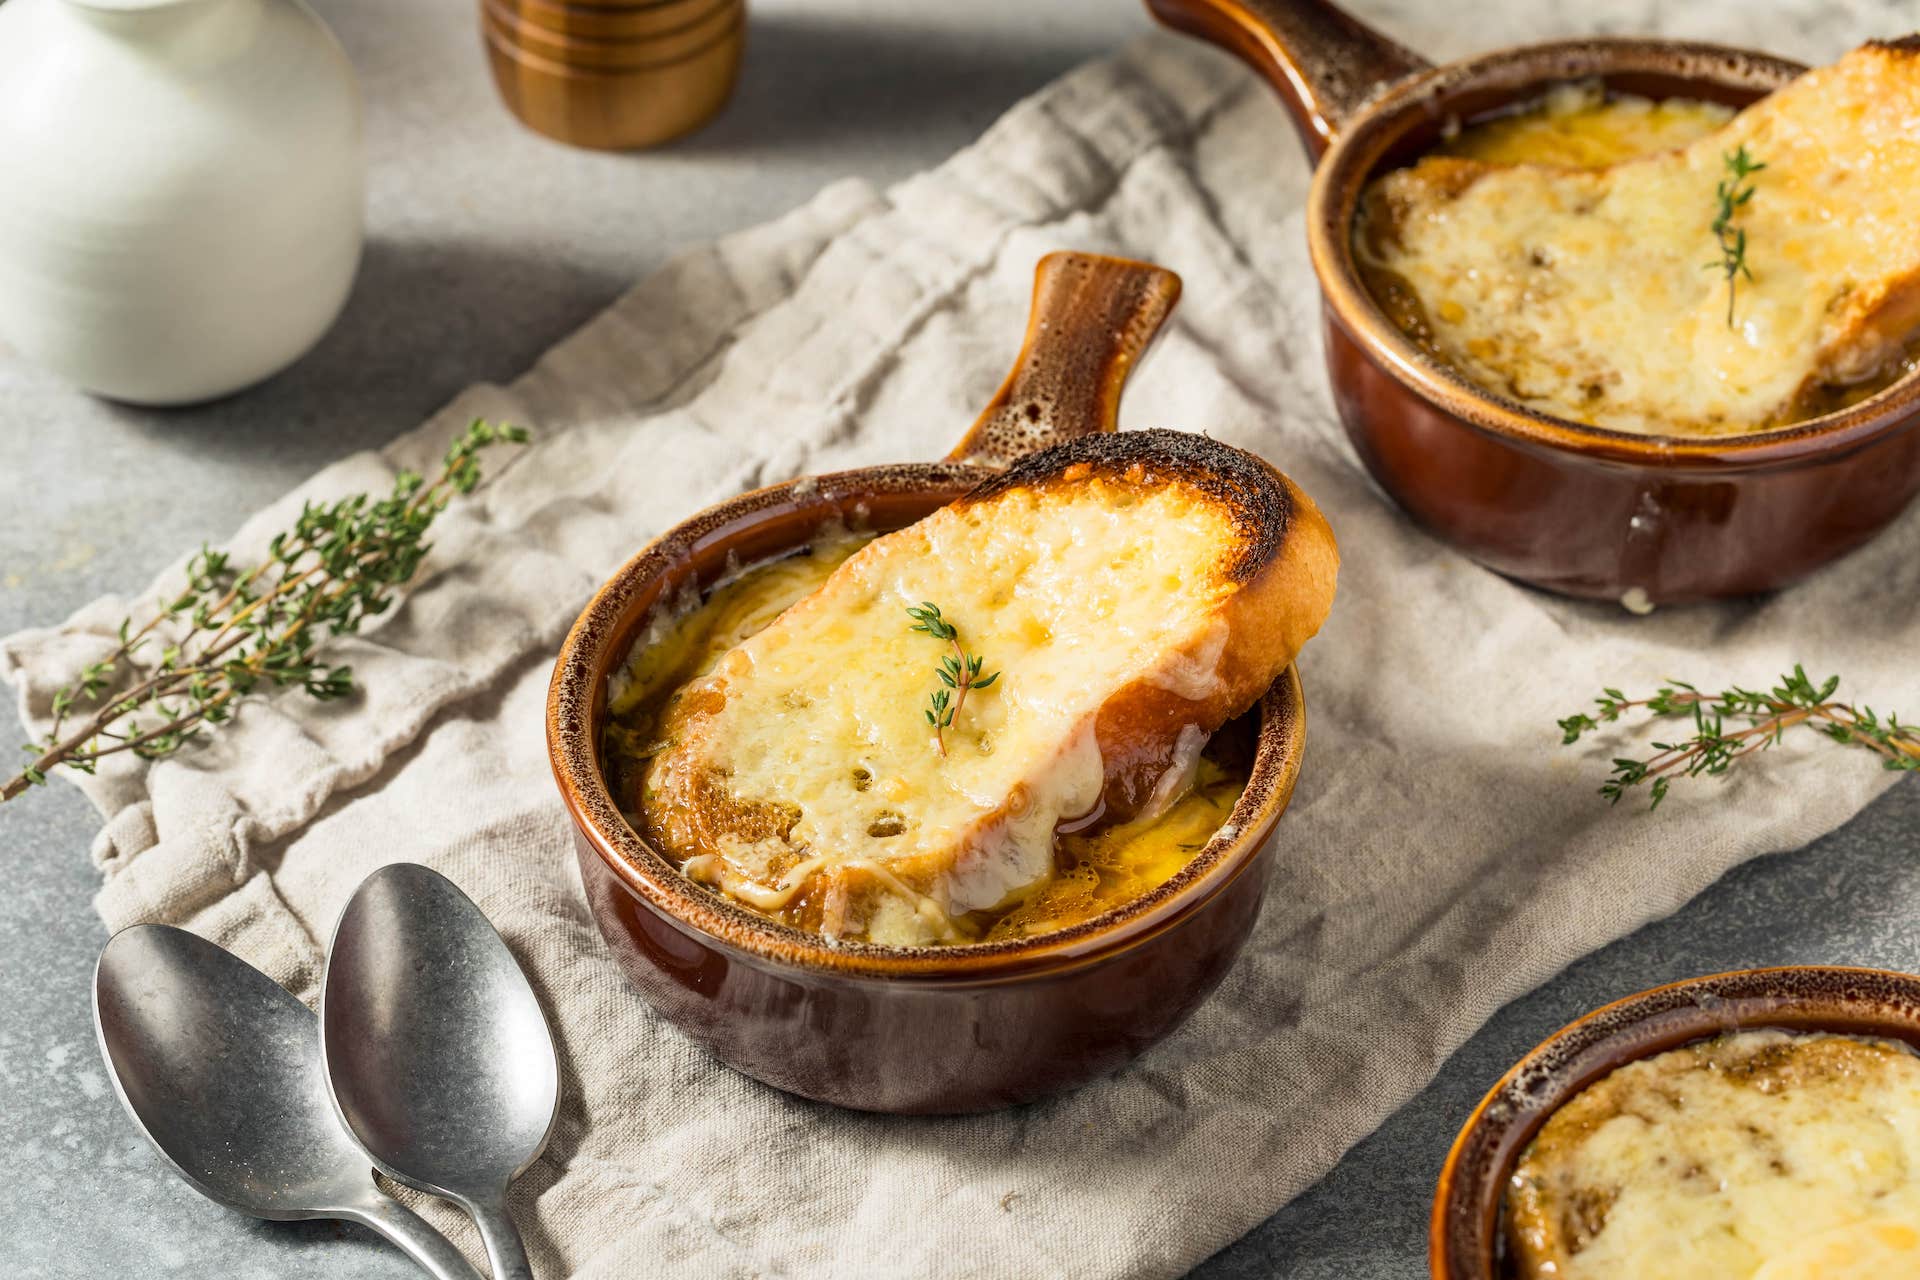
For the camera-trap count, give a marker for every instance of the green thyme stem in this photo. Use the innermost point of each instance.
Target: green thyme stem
(1732, 196)
(123, 743)
(1712, 748)
(958, 672)
(337, 566)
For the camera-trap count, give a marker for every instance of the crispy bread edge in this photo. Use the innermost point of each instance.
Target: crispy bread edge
(1264, 505)
(1283, 561)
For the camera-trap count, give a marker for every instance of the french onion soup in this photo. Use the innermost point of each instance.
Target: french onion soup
(1579, 125)
(1007, 718)
(1667, 268)
(1758, 1155)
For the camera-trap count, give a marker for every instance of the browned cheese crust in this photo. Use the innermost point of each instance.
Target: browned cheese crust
(1274, 578)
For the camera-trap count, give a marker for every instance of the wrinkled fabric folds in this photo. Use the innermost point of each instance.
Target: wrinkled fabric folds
(1443, 853)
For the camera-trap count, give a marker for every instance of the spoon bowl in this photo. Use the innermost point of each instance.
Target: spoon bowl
(437, 1054)
(220, 1068)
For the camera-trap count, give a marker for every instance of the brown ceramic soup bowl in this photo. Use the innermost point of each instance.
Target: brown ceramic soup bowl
(1565, 506)
(1464, 1243)
(917, 1029)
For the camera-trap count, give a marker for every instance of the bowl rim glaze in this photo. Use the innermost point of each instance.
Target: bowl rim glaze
(1463, 1226)
(602, 637)
(1362, 142)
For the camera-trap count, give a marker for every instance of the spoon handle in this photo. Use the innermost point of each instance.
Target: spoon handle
(505, 1252)
(415, 1237)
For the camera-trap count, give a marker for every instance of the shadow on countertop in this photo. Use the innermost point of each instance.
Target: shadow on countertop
(424, 321)
(809, 80)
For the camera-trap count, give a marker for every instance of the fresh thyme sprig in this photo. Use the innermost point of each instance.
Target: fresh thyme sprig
(1732, 197)
(335, 568)
(959, 671)
(1713, 748)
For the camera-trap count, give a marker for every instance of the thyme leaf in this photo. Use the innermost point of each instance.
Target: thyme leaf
(1732, 196)
(264, 627)
(958, 672)
(1760, 718)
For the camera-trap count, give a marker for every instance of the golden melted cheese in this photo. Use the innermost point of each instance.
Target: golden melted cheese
(1762, 1155)
(1592, 294)
(1577, 125)
(1086, 873)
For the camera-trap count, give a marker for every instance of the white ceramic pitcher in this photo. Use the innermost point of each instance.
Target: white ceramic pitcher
(181, 190)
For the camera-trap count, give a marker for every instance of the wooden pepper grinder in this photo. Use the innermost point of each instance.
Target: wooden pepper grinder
(614, 76)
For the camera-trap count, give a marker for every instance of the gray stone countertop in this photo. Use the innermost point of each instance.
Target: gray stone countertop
(487, 245)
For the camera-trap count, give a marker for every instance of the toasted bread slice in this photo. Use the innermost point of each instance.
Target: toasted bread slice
(1134, 592)
(1597, 294)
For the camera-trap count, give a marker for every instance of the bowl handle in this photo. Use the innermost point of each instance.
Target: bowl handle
(1323, 61)
(1092, 319)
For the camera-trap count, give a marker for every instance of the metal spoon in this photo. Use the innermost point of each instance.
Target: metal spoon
(437, 1054)
(220, 1068)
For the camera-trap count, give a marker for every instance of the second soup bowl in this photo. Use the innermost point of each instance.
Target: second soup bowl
(1573, 508)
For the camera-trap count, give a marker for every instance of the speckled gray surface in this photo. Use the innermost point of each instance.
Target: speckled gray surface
(487, 245)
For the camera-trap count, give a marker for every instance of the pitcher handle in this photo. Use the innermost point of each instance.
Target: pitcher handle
(1323, 61)
(1092, 319)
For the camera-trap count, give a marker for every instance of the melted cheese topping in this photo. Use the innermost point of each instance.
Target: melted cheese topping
(1761, 1155)
(1576, 125)
(1050, 876)
(1595, 295)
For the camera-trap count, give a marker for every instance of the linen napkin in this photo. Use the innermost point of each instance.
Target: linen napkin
(1443, 853)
